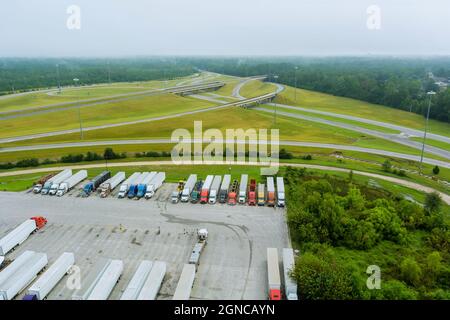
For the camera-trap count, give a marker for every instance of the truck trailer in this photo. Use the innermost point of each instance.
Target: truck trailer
(132, 191)
(281, 202)
(252, 193)
(89, 280)
(56, 180)
(124, 187)
(214, 190)
(155, 184)
(9, 270)
(107, 281)
(261, 194)
(95, 183)
(273, 272)
(204, 194)
(70, 183)
(223, 193)
(142, 187)
(270, 192)
(243, 189)
(185, 283)
(188, 187)
(45, 284)
(23, 276)
(290, 286)
(20, 234)
(137, 282)
(233, 193)
(154, 281)
(109, 185)
(40, 183)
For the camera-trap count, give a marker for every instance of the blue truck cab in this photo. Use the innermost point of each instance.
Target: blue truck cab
(141, 190)
(132, 191)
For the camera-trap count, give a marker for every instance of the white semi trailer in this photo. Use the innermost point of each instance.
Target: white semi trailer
(107, 281)
(137, 282)
(290, 287)
(109, 185)
(243, 189)
(185, 283)
(281, 197)
(17, 236)
(126, 185)
(188, 187)
(155, 184)
(154, 281)
(214, 190)
(70, 183)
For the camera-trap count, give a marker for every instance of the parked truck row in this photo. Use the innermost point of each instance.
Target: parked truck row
(275, 289)
(215, 189)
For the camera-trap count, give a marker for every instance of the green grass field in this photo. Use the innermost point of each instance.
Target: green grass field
(330, 103)
(256, 88)
(135, 109)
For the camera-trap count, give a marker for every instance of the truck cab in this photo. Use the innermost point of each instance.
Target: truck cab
(37, 188)
(242, 197)
(204, 196)
(212, 197)
(280, 200)
(149, 192)
(175, 197)
(185, 195)
(53, 189)
(61, 190)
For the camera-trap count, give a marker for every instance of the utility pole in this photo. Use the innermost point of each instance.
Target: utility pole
(295, 90)
(109, 73)
(275, 113)
(57, 75)
(430, 94)
(75, 80)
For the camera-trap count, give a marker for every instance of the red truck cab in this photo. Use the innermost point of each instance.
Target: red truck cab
(274, 294)
(232, 198)
(40, 221)
(204, 196)
(252, 193)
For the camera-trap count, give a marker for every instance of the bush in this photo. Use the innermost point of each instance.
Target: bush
(27, 163)
(386, 166)
(436, 170)
(283, 154)
(308, 157)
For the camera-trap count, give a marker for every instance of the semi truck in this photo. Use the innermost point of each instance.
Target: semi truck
(23, 276)
(243, 189)
(95, 183)
(124, 187)
(142, 187)
(175, 197)
(223, 193)
(273, 272)
(281, 202)
(134, 187)
(195, 195)
(188, 187)
(232, 195)
(107, 281)
(70, 183)
(204, 194)
(252, 193)
(109, 185)
(261, 194)
(60, 177)
(214, 190)
(270, 192)
(40, 183)
(154, 281)
(20, 234)
(42, 287)
(185, 283)
(137, 282)
(290, 286)
(202, 236)
(155, 184)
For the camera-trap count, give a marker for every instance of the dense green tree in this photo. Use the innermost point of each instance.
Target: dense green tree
(410, 271)
(436, 170)
(433, 202)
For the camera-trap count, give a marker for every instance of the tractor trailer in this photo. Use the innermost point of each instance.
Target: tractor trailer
(142, 187)
(204, 194)
(133, 188)
(188, 187)
(281, 202)
(214, 190)
(40, 183)
(223, 193)
(233, 193)
(154, 281)
(290, 287)
(243, 189)
(20, 234)
(261, 194)
(107, 281)
(252, 193)
(70, 183)
(109, 185)
(270, 192)
(95, 183)
(273, 272)
(60, 177)
(155, 184)
(124, 187)
(185, 283)
(195, 195)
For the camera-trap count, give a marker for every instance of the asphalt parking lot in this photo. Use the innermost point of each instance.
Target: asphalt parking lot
(233, 265)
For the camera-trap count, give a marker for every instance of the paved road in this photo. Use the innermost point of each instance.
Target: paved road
(386, 136)
(408, 131)
(282, 143)
(398, 181)
(237, 89)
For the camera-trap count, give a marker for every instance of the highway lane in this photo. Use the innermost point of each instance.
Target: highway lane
(391, 137)
(398, 181)
(282, 143)
(406, 130)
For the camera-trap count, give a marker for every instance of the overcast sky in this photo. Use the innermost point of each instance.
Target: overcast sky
(224, 27)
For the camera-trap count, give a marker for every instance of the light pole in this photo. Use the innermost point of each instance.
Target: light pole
(295, 89)
(75, 80)
(275, 113)
(57, 75)
(430, 94)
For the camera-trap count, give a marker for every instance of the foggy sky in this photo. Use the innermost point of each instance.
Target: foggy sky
(224, 27)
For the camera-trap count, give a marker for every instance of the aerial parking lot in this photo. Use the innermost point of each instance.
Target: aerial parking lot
(232, 265)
